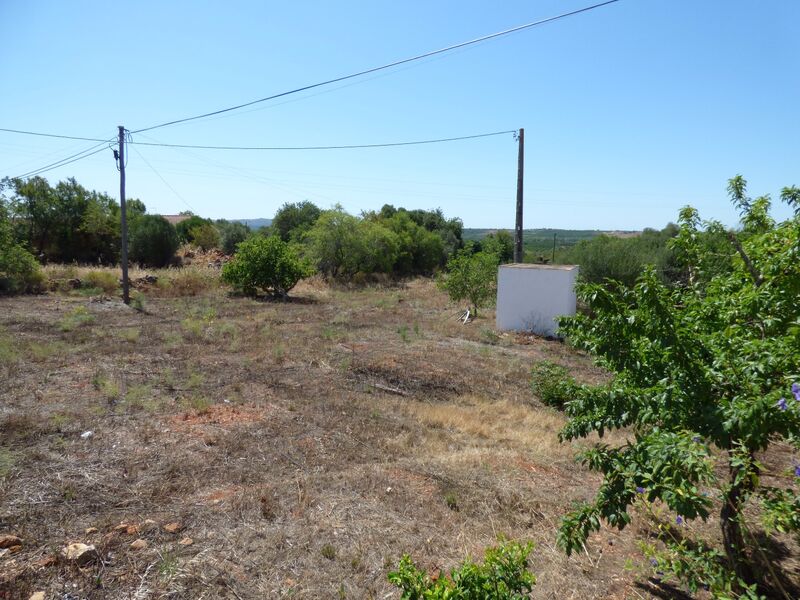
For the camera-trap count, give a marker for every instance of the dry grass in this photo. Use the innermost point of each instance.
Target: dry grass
(302, 447)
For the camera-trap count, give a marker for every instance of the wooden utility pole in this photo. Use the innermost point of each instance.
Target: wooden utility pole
(520, 178)
(126, 297)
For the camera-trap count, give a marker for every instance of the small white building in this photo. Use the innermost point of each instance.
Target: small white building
(531, 297)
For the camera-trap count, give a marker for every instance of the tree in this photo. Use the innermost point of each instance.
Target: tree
(294, 219)
(705, 379)
(154, 241)
(500, 243)
(205, 236)
(266, 264)
(232, 233)
(19, 271)
(184, 228)
(341, 245)
(472, 277)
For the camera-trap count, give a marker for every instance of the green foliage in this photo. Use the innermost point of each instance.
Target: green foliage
(341, 245)
(623, 260)
(503, 575)
(153, 243)
(552, 384)
(702, 373)
(500, 243)
(19, 271)
(419, 251)
(232, 233)
(265, 264)
(185, 229)
(205, 236)
(472, 277)
(294, 219)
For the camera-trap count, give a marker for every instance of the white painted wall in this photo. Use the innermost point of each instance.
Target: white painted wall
(530, 297)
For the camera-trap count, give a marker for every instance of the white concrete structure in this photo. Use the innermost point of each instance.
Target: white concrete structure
(530, 297)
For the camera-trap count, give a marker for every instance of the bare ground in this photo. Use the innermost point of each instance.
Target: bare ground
(292, 450)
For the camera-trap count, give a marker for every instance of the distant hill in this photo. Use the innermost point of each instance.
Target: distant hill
(255, 223)
(539, 242)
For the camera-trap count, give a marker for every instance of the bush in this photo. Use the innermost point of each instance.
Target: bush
(19, 271)
(552, 384)
(265, 263)
(185, 228)
(342, 245)
(293, 220)
(154, 242)
(232, 233)
(503, 575)
(472, 277)
(206, 236)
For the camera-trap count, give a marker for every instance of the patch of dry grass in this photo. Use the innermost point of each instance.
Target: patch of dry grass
(301, 446)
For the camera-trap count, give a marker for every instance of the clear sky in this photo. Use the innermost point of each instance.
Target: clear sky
(630, 111)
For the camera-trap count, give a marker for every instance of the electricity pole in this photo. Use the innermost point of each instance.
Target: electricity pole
(520, 177)
(126, 297)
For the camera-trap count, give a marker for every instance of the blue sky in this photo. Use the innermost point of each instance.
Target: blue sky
(630, 111)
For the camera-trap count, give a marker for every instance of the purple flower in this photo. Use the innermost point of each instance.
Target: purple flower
(696, 439)
(679, 520)
(781, 404)
(797, 471)
(796, 391)
(654, 562)
(640, 489)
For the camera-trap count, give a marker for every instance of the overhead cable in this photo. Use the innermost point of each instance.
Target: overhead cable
(380, 68)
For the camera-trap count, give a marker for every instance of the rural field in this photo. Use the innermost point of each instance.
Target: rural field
(282, 449)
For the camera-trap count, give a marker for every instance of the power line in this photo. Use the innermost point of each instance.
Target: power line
(166, 183)
(346, 147)
(382, 67)
(52, 135)
(65, 161)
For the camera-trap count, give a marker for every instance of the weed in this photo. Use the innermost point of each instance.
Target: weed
(328, 552)
(8, 460)
(41, 352)
(279, 353)
(138, 395)
(8, 354)
(201, 404)
(109, 389)
(76, 318)
(195, 380)
(451, 500)
(138, 301)
(188, 281)
(87, 292)
(130, 334)
(167, 565)
(552, 384)
(403, 332)
(59, 421)
(417, 330)
(489, 336)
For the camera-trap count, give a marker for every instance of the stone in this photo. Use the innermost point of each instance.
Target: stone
(187, 541)
(139, 544)
(80, 554)
(7, 541)
(90, 530)
(37, 596)
(172, 527)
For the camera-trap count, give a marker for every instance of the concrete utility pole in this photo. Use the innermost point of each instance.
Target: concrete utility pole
(126, 297)
(520, 178)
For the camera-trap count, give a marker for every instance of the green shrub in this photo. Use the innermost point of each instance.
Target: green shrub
(206, 236)
(19, 271)
(503, 575)
(154, 242)
(265, 264)
(232, 233)
(185, 228)
(472, 277)
(552, 384)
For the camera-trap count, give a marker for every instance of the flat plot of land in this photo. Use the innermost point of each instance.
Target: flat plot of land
(270, 450)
